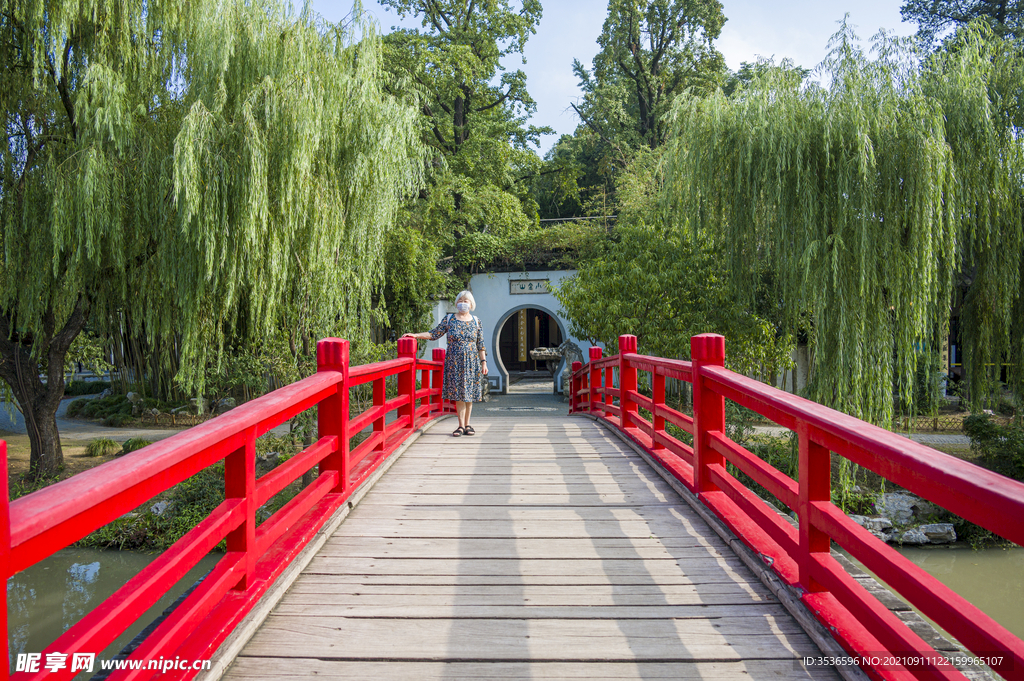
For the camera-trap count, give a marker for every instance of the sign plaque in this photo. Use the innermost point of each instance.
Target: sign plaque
(527, 286)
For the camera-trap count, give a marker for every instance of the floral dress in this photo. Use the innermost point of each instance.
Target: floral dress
(462, 372)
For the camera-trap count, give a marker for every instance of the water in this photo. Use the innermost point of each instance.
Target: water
(48, 598)
(991, 579)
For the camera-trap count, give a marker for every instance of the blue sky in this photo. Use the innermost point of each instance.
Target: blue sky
(569, 30)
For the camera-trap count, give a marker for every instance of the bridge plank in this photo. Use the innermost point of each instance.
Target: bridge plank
(263, 668)
(540, 549)
(505, 639)
(580, 549)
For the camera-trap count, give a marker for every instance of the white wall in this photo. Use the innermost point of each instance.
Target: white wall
(495, 304)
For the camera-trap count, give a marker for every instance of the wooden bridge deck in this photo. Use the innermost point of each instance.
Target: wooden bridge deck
(541, 548)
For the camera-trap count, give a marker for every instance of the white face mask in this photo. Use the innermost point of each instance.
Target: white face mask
(462, 307)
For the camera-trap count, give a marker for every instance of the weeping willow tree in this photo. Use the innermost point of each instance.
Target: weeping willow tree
(841, 192)
(209, 170)
(978, 80)
(874, 202)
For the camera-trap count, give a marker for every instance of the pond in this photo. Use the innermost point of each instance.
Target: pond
(48, 598)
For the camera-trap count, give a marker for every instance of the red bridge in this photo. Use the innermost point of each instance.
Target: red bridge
(585, 563)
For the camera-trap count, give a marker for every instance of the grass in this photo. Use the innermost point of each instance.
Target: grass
(102, 447)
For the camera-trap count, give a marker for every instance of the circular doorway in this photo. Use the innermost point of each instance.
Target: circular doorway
(521, 336)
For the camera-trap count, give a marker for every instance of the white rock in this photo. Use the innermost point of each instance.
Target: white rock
(134, 398)
(159, 507)
(939, 533)
(899, 508)
(884, 536)
(914, 536)
(879, 524)
(861, 520)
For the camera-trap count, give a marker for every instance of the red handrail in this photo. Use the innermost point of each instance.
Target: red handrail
(38, 525)
(801, 555)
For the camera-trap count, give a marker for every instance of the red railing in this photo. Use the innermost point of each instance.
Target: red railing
(801, 555)
(39, 524)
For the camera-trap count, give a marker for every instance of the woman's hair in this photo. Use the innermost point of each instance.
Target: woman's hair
(468, 297)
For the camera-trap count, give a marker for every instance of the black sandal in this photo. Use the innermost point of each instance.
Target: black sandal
(459, 432)
(469, 430)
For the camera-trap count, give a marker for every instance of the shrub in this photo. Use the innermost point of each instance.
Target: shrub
(118, 419)
(193, 500)
(132, 444)
(76, 407)
(85, 387)
(102, 447)
(1001, 448)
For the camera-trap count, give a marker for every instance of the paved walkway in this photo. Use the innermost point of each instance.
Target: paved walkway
(73, 429)
(541, 548)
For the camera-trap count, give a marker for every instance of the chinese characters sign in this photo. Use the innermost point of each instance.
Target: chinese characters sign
(521, 286)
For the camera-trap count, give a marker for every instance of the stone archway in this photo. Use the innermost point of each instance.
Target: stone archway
(496, 340)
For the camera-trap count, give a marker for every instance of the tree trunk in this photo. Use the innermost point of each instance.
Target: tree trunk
(39, 400)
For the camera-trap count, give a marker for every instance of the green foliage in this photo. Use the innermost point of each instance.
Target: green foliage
(102, 447)
(89, 351)
(192, 501)
(473, 121)
(841, 197)
(101, 407)
(85, 388)
(933, 17)
(978, 82)
(651, 50)
(664, 287)
(132, 444)
(202, 188)
(411, 279)
(1001, 448)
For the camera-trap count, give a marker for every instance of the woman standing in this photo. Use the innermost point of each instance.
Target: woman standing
(465, 360)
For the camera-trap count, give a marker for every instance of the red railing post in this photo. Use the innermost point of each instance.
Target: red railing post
(815, 484)
(240, 483)
(575, 385)
(609, 384)
(380, 396)
(595, 379)
(658, 397)
(437, 379)
(407, 380)
(627, 381)
(707, 349)
(332, 354)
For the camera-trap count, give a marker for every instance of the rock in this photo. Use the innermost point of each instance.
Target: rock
(914, 536)
(572, 353)
(225, 404)
(899, 508)
(199, 405)
(106, 392)
(159, 507)
(902, 508)
(879, 524)
(134, 398)
(154, 411)
(884, 536)
(939, 533)
(178, 410)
